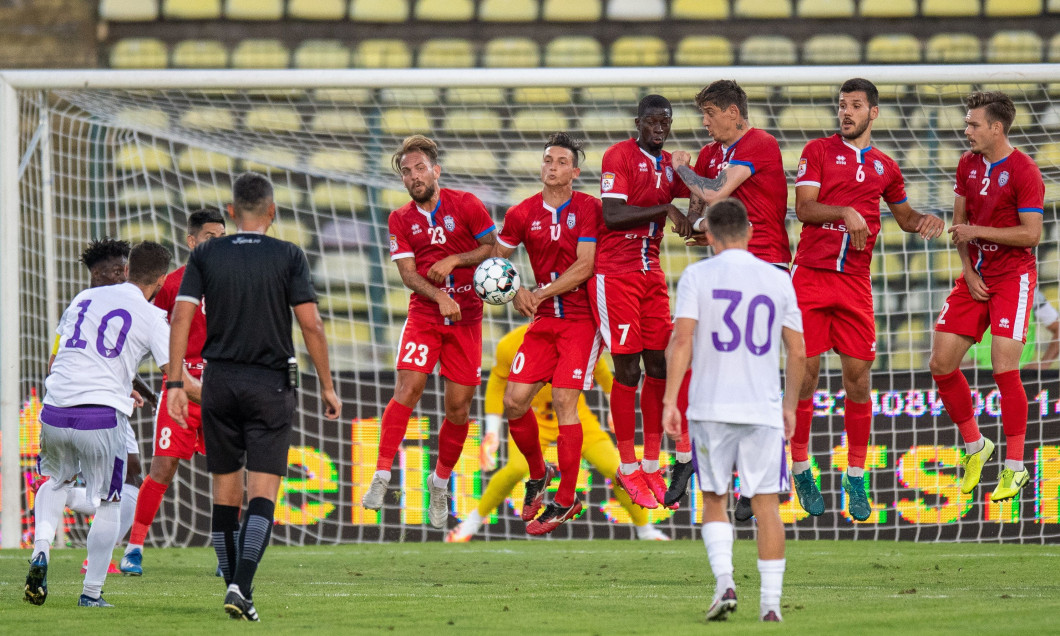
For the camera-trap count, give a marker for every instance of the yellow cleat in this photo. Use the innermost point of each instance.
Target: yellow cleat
(1010, 484)
(973, 466)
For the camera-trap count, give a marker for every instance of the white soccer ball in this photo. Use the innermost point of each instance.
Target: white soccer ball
(496, 281)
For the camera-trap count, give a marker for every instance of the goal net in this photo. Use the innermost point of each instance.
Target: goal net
(131, 155)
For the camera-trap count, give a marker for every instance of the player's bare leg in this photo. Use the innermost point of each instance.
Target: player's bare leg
(163, 469)
(395, 421)
(565, 505)
(802, 476)
(770, 554)
(451, 438)
(522, 428)
(1005, 355)
(857, 421)
(718, 539)
(624, 413)
(947, 351)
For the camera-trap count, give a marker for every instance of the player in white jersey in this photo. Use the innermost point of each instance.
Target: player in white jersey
(733, 311)
(104, 334)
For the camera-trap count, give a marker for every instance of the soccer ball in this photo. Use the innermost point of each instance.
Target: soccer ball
(496, 281)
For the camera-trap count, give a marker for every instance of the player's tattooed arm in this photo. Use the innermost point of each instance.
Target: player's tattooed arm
(700, 184)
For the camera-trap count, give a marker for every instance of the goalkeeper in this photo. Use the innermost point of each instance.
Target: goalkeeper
(597, 447)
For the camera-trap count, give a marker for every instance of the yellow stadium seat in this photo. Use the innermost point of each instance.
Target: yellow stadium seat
(128, 10)
(343, 302)
(594, 158)
(254, 9)
(340, 122)
(816, 92)
(199, 160)
(447, 53)
(200, 54)
(636, 10)
(891, 234)
(953, 48)
(887, 8)
(208, 118)
(316, 9)
(415, 95)
(759, 9)
(269, 159)
(605, 120)
(567, 11)
(511, 53)
(508, 10)
(138, 53)
(942, 157)
(699, 10)
(949, 8)
(191, 9)
(287, 197)
(379, 10)
(139, 231)
(790, 153)
(475, 95)
(890, 118)
(260, 54)
(1012, 8)
(767, 50)
(405, 121)
(273, 119)
(704, 50)
(811, 118)
(445, 10)
(155, 118)
(485, 121)
(292, 231)
(1048, 156)
(1014, 47)
(896, 48)
(523, 162)
(201, 195)
(831, 49)
(684, 120)
(474, 162)
(345, 161)
(610, 94)
(1053, 54)
(825, 9)
(338, 196)
(382, 54)
(538, 120)
(541, 95)
(133, 157)
(322, 54)
(639, 50)
(574, 51)
(392, 200)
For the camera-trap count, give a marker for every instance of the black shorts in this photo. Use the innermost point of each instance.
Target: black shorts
(247, 417)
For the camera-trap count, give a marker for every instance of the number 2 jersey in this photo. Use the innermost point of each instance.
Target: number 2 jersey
(103, 335)
(846, 176)
(454, 226)
(994, 196)
(165, 299)
(552, 236)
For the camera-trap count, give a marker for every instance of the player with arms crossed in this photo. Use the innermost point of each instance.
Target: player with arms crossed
(629, 295)
(436, 241)
(732, 312)
(172, 441)
(997, 222)
(837, 197)
(558, 228)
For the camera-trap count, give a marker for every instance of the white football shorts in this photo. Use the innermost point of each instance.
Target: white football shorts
(90, 441)
(756, 452)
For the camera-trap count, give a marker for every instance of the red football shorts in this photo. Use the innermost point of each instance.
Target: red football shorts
(836, 312)
(1007, 313)
(459, 347)
(560, 351)
(173, 441)
(633, 310)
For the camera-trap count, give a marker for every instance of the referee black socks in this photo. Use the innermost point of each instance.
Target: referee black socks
(224, 526)
(254, 537)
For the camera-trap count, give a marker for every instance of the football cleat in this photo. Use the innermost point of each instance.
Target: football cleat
(857, 498)
(651, 533)
(657, 485)
(680, 473)
(1010, 484)
(239, 608)
(37, 580)
(132, 563)
(722, 606)
(111, 569)
(973, 466)
(637, 489)
(771, 617)
(373, 498)
(743, 510)
(438, 505)
(552, 517)
(88, 601)
(535, 494)
(809, 494)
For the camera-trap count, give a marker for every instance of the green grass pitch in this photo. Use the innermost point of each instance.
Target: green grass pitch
(558, 587)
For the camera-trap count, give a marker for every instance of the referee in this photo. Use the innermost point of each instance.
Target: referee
(248, 283)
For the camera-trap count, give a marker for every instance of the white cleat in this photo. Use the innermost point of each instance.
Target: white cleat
(438, 507)
(373, 499)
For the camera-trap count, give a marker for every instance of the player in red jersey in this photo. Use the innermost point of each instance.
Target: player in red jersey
(997, 222)
(838, 188)
(173, 442)
(743, 163)
(629, 293)
(436, 240)
(559, 229)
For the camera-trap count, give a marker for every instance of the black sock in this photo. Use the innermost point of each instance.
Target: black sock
(224, 527)
(253, 538)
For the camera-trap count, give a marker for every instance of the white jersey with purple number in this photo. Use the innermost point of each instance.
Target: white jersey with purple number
(740, 303)
(103, 336)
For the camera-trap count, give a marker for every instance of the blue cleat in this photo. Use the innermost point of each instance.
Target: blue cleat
(857, 497)
(37, 580)
(809, 494)
(132, 563)
(88, 601)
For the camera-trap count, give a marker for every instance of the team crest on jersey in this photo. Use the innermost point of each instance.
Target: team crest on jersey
(802, 167)
(393, 243)
(879, 167)
(670, 174)
(1003, 179)
(571, 220)
(450, 224)
(607, 181)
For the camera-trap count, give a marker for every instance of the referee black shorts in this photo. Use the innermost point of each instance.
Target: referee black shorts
(247, 417)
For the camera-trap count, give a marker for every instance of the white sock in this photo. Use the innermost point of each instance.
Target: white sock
(647, 531)
(800, 467)
(772, 583)
(1014, 465)
(438, 482)
(48, 506)
(629, 469)
(383, 474)
(717, 537)
(78, 501)
(854, 471)
(132, 546)
(129, 495)
(471, 524)
(974, 447)
(684, 458)
(650, 465)
(101, 539)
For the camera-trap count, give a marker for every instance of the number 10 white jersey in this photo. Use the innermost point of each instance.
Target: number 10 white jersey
(740, 303)
(103, 335)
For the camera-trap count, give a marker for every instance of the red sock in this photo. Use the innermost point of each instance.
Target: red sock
(957, 398)
(651, 397)
(569, 451)
(624, 414)
(1013, 412)
(450, 445)
(858, 424)
(800, 441)
(151, 493)
(523, 431)
(684, 445)
(391, 433)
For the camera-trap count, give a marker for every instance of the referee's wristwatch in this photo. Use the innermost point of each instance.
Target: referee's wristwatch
(174, 384)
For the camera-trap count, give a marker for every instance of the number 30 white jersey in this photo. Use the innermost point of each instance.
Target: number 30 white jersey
(740, 303)
(103, 335)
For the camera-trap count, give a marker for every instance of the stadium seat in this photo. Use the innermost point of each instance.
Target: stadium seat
(699, 10)
(1014, 47)
(605, 120)
(831, 49)
(379, 10)
(759, 9)
(344, 234)
(200, 54)
(639, 50)
(886, 266)
(809, 118)
(255, 53)
(405, 121)
(538, 120)
(522, 163)
(610, 94)
(953, 48)
(816, 9)
(942, 157)
(541, 95)
(201, 195)
(887, 8)
(288, 198)
(316, 9)
(508, 10)
(138, 53)
(1052, 6)
(154, 118)
(574, 50)
(949, 8)
(594, 158)
(139, 231)
(413, 95)
(272, 119)
(146, 198)
(474, 95)
(704, 50)
(475, 121)
(254, 9)
(891, 234)
(685, 120)
(896, 48)
(511, 53)
(790, 153)
(269, 159)
(446, 53)
(1053, 52)
(1012, 8)
(338, 196)
(344, 161)
(292, 231)
(945, 265)
(135, 157)
(890, 119)
(1048, 156)
(200, 160)
(1050, 118)
(339, 122)
(767, 50)
(392, 200)
(567, 11)
(473, 162)
(445, 10)
(636, 10)
(342, 303)
(208, 118)
(191, 9)
(128, 10)
(382, 54)
(322, 54)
